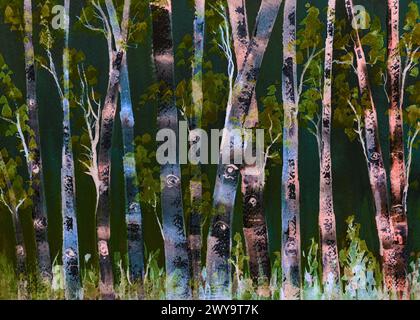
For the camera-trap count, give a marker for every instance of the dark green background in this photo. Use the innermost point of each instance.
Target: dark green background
(351, 187)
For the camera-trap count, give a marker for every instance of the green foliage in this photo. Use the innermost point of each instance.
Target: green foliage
(410, 50)
(414, 278)
(148, 170)
(309, 45)
(361, 271)
(276, 277)
(374, 43)
(311, 286)
(14, 115)
(238, 261)
(8, 281)
(154, 277)
(138, 24)
(13, 15)
(271, 120)
(311, 31)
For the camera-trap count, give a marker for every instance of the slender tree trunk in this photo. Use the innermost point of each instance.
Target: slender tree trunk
(39, 211)
(104, 160)
(196, 186)
(70, 252)
(327, 225)
(132, 195)
(219, 241)
(255, 227)
(20, 249)
(377, 173)
(398, 214)
(291, 251)
(176, 246)
(106, 284)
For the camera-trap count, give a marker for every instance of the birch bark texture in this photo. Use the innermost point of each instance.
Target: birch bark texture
(70, 248)
(175, 241)
(196, 185)
(219, 242)
(254, 223)
(106, 282)
(398, 214)
(327, 222)
(377, 173)
(133, 214)
(290, 191)
(35, 169)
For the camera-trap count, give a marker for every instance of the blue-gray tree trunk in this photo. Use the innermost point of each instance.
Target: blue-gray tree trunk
(39, 210)
(176, 246)
(70, 250)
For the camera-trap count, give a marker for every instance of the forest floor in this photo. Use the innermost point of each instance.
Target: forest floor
(361, 277)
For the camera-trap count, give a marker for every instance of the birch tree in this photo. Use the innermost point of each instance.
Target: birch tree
(291, 251)
(196, 185)
(100, 130)
(373, 153)
(399, 70)
(71, 261)
(398, 214)
(255, 227)
(175, 242)
(108, 112)
(314, 96)
(327, 224)
(219, 240)
(70, 246)
(14, 191)
(132, 200)
(39, 210)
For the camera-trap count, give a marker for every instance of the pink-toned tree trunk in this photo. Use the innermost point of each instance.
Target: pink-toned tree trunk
(290, 193)
(398, 214)
(377, 173)
(255, 227)
(327, 225)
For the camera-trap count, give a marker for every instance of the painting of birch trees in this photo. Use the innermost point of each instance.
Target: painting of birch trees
(209, 150)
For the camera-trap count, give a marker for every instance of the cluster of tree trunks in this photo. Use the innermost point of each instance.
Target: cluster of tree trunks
(182, 254)
(391, 217)
(219, 239)
(255, 227)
